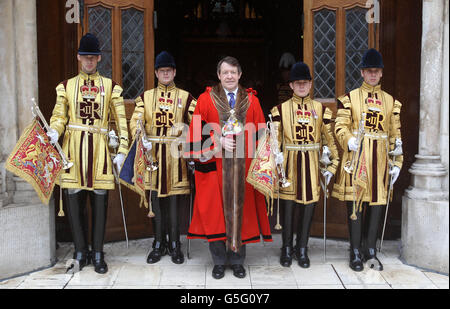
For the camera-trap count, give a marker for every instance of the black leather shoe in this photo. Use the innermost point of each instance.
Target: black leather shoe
(371, 259)
(175, 252)
(355, 260)
(302, 257)
(238, 271)
(286, 256)
(83, 258)
(98, 260)
(218, 271)
(159, 250)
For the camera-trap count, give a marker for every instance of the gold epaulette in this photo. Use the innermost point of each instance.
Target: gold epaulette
(345, 100)
(275, 112)
(61, 90)
(117, 91)
(139, 102)
(328, 114)
(192, 106)
(397, 107)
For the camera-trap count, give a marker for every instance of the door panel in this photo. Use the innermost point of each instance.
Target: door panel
(123, 27)
(336, 35)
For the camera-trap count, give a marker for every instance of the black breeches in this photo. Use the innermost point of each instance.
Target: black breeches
(287, 215)
(365, 228)
(76, 211)
(165, 222)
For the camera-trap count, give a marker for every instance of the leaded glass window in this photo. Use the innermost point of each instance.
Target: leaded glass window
(357, 42)
(324, 54)
(100, 26)
(133, 47)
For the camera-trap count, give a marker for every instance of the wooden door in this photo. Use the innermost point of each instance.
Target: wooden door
(126, 35)
(336, 34)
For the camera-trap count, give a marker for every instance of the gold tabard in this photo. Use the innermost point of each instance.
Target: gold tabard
(83, 107)
(161, 108)
(304, 127)
(382, 128)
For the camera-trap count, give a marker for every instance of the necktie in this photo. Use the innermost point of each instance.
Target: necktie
(232, 100)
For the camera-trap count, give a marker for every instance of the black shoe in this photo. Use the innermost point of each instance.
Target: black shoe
(286, 256)
(83, 258)
(218, 271)
(302, 257)
(159, 250)
(238, 271)
(371, 259)
(175, 252)
(355, 260)
(98, 260)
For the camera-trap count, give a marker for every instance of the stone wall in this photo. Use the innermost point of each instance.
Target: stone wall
(425, 209)
(27, 237)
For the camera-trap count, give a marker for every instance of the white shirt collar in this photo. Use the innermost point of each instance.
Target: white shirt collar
(227, 92)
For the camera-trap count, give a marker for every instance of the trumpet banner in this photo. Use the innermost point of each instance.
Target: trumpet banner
(132, 174)
(36, 161)
(262, 173)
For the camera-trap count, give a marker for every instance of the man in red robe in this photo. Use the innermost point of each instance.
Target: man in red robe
(223, 134)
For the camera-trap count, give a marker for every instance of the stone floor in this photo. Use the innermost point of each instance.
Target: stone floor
(128, 270)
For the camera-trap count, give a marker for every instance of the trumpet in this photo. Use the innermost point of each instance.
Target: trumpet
(37, 112)
(284, 182)
(349, 166)
(275, 150)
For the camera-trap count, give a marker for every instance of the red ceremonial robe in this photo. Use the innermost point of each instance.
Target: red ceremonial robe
(208, 221)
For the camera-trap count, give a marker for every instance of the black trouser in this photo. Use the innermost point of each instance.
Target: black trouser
(364, 230)
(222, 256)
(76, 210)
(287, 217)
(165, 222)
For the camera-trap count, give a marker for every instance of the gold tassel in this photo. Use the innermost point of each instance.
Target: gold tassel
(61, 211)
(353, 216)
(269, 203)
(150, 214)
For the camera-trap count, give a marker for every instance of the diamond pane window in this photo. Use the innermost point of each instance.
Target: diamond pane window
(100, 26)
(357, 42)
(324, 53)
(133, 47)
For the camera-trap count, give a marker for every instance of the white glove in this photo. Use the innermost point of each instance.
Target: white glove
(279, 158)
(353, 144)
(394, 172)
(398, 150)
(53, 136)
(118, 160)
(147, 145)
(327, 175)
(113, 139)
(191, 166)
(325, 159)
(228, 143)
